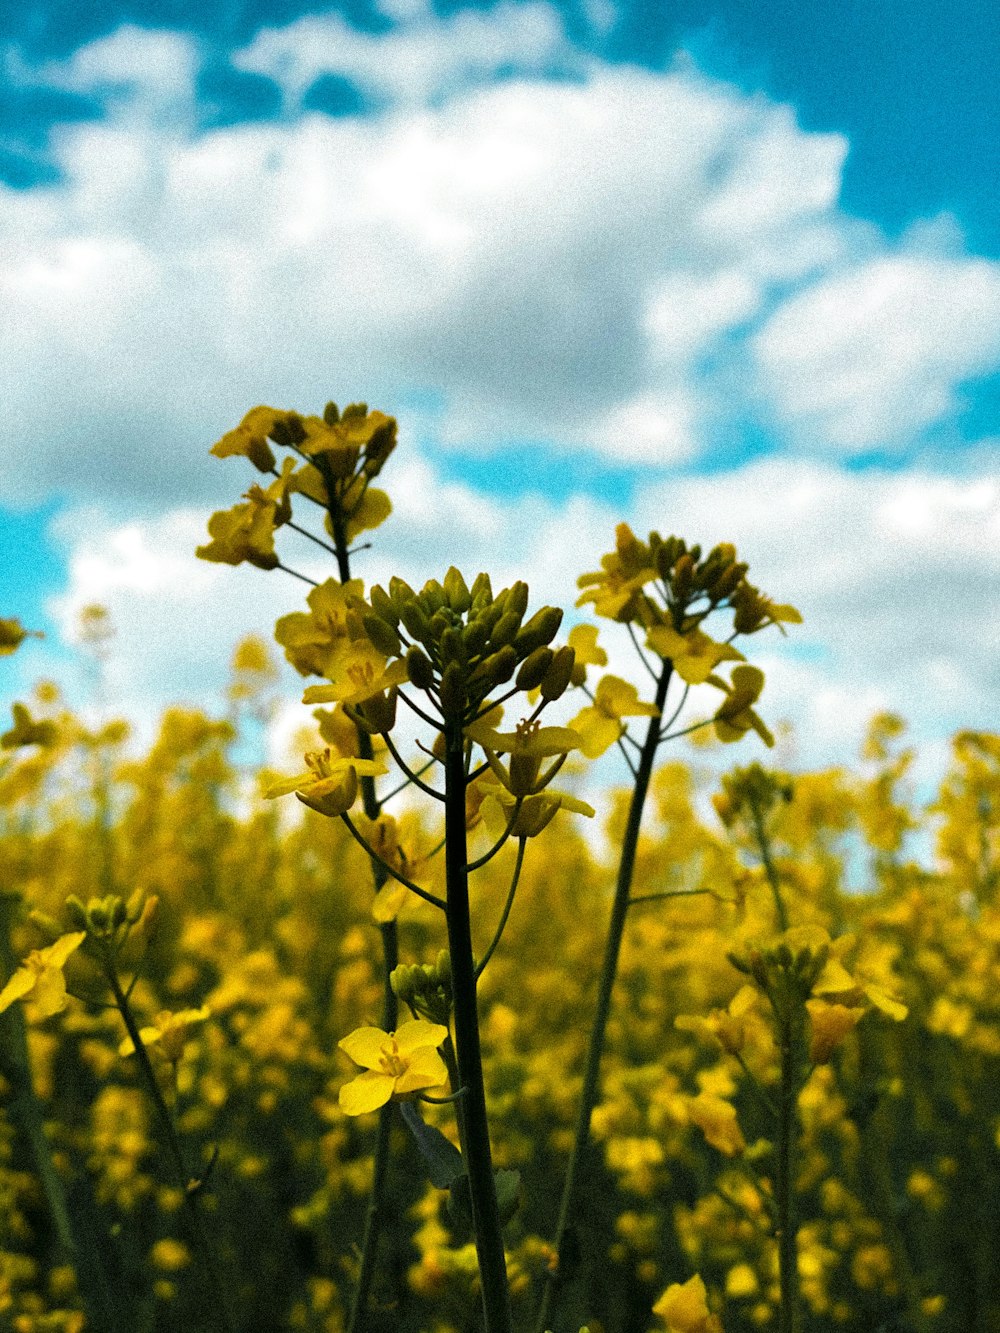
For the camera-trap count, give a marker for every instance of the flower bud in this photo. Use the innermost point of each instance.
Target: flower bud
(541, 629)
(419, 668)
(383, 607)
(76, 913)
(494, 670)
(377, 714)
(417, 624)
(453, 690)
(475, 637)
(331, 414)
(381, 634)
(559, 674)
(534, 669)
(505, 629)
(517, 598)
(432, 596)
(457, 592)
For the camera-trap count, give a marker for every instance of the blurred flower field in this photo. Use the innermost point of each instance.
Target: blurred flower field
(723, 1184)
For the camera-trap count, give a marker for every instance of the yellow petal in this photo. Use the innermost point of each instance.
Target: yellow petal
(22, 983)
(418, 1032)
(365, 1093)
(365, 1046)
(426, 1070)
(389, 901)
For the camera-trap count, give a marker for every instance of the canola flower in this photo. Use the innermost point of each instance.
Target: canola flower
(683, 1307)
(396, 1065)
(40, 978)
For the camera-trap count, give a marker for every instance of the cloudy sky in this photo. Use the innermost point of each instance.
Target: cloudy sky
(732, 273)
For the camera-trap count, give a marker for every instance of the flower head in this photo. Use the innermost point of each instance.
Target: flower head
(600, 724)
(330, 783)
(40, 976)
(396, 1064)
(168, 1034)
(684, 1308)
(735, 717)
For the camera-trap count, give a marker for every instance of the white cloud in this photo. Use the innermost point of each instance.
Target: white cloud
(876, 354)
(419, 59)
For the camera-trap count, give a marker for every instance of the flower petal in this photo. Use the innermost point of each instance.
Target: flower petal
(365, 1093)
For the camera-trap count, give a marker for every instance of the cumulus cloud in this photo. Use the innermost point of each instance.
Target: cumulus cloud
(628, 261)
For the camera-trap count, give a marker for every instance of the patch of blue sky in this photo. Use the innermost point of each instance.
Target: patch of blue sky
(33, 568)
(515, 471)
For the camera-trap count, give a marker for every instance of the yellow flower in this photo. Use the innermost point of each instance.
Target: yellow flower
(330, 784)
(717, 1120)
(168, 1033)
(535, 814)
(600, 725)
(527, 747)
(310, 638)
(396, 1064)
(358, 672)
(684, 1308)
(27, 732)
(694, 655)
(583, 640)
(246, 532)
(13, 634)
(616, 589)
(249, 439)
(830, 1024)
(40, 976)
(726, 1026)
(735, 717)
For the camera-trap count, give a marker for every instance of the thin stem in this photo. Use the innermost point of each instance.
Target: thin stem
(407, 883)
(472, 1119)
(310, 536)
(481, 966)
(425, 717)
(287, 569)
(383, 800)
(640, 650)
(210, 1272)
(666, 893)
(410, 775)
(764, 847)
(488, 856)
(612, 949)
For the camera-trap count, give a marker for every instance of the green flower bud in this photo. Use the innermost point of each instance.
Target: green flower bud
(541, 629)
(443, 967)
(481, 591)
(475, 637)
(331, 414)
(495, 670)
(76, 913)
(418, 626)
(432, 596)
(453, 694)
(382, 634)
(534, 668)
(400, 592)
(457, 592)
(419, 668)
(559, 674)
(517, 598)
(377, 714)
(383, 607)
(400, 981)
(452, 646)
(505, 629)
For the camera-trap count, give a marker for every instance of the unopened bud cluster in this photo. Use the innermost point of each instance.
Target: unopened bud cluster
(460, 644)
(425, 987)
(111, 919)
(785, 974)
(754, 789)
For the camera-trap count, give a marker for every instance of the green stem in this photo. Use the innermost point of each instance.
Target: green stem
(770, 869)
(473, 1124)
(612, 949)
(212, 1280)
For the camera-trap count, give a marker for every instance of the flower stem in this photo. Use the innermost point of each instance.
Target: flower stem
(473, 1124)
(591, 1077)
(210, 1273)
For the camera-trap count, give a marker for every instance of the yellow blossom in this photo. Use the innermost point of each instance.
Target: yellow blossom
(583, 640)
(40, 976)
(168, 1033)
(684, 1308)
(694, 655)
(830, 1024)
(26, 731)
(330, 783)
(13, 634)
(358, 672)
(527, 747)
(735, 717)
(599, 725)
(396, 1064)
(717, 1120)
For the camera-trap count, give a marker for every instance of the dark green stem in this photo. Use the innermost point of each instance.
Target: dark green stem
(218, 1308)
(770, 869)
(612, 949)
(473, 1124)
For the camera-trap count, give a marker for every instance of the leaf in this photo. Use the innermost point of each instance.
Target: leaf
(444, 1161)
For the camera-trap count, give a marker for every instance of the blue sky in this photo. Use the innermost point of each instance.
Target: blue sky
(732, 266)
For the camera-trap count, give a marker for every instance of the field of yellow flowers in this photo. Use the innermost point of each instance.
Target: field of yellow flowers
(337, 1070)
